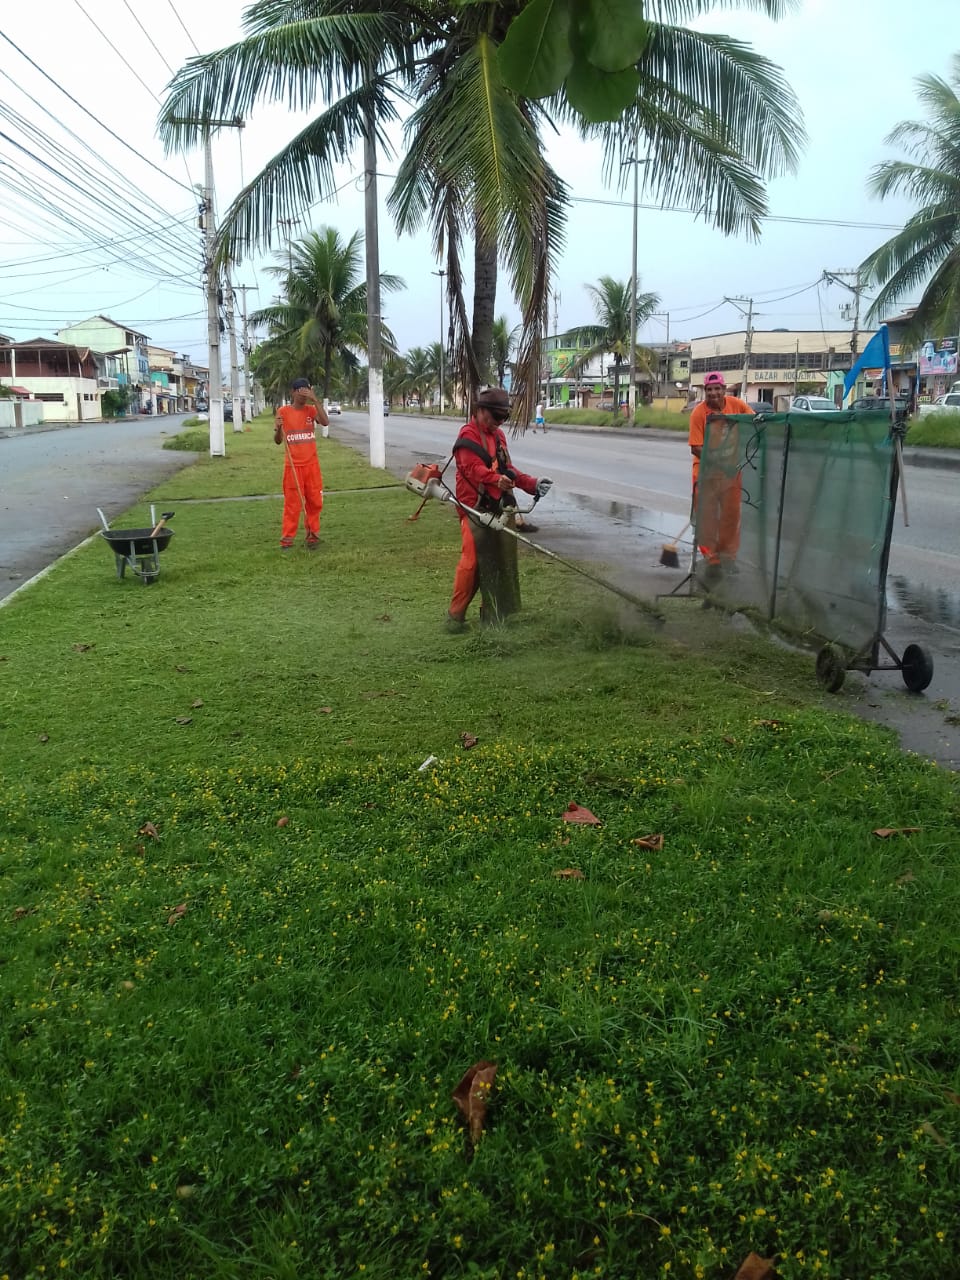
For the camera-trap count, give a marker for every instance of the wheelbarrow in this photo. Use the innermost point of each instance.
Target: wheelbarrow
(138, 549)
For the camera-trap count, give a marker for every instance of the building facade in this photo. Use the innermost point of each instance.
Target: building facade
(63, 378)
(127, 345)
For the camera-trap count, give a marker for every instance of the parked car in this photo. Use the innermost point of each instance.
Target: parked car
(812, 404)
(334, 407)
(228, 410)
(950, 403)
(605, 406)
(881, 402)
(202, 405)
(759, 406)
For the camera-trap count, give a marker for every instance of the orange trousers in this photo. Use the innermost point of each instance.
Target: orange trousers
(466, 578)
(717, 500)
(308, 476)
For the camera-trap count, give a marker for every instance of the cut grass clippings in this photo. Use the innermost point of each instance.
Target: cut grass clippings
(250, 947)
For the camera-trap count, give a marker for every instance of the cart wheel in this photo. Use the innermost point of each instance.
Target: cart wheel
(831, 668)
(916, 667)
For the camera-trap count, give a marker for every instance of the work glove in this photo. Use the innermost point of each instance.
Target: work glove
(543, 487)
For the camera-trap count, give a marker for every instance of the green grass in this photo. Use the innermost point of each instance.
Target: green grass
(746, 1040)
(663, 418)
(937, 431)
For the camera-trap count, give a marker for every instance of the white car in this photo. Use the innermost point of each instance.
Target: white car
(812, 404)
(950, 403)
(334, 407)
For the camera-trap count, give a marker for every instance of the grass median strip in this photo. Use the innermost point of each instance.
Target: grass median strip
(250, 947)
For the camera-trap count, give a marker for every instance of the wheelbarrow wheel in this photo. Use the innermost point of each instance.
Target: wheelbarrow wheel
(831, 668)
(916, 667)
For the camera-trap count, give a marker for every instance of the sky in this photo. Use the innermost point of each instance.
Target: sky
(98, 221)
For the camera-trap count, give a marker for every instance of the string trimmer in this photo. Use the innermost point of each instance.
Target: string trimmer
(426, 481)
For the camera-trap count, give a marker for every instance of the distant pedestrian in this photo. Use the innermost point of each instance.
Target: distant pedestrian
(295, 428)
(539, 420)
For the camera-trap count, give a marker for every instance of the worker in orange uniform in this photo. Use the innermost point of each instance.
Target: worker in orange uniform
(716, 503)
(486, 479)
(295, 428)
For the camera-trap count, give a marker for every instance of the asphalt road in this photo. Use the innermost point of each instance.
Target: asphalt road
(55, 478)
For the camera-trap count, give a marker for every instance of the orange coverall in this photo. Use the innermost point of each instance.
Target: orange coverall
(474, 479)
(301, 466)
(717, 501)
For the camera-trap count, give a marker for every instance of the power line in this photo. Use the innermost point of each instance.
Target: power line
(149, 37)
(766, 217)
(185, 31)
(107, 40)
(94, 118)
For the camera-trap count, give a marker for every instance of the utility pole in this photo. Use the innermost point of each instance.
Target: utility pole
(289, 222)
(251, 407)
(208, 224)
(218, 447)
(231, 305)
(748, 344)
(857, 288)
(441, 273)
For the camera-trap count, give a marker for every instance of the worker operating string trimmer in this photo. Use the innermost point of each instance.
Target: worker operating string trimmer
(484, 498)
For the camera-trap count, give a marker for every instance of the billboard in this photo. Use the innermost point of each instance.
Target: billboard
(943, 362)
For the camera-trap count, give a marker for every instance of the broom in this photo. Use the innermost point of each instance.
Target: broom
(669, 555)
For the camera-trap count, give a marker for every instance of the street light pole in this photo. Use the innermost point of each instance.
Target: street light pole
(632, 389)
(441, 274)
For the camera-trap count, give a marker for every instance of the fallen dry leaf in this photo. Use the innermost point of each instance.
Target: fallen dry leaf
(43, 737)
(907, 878)
(325, 711)
(282, 822)
(769, 724)
(473, 1093)
(731, 742)
(148, 829)
(753, 1267)
(82, 648)
(953, 1097)
(569, 873)
(649, 842)
(197, 702)
(825, 916)
(469, 740)
(931, 1132)
(577, 813)
(185, 1191)
(885, 832)
(177, 913)
(20, 912)
(181, 669)
(140, 850)
(184, 719)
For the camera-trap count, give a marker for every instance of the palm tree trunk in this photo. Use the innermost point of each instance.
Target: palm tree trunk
(378, 453)
(484, 300)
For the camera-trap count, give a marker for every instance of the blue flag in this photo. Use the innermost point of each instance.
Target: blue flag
(876, 354)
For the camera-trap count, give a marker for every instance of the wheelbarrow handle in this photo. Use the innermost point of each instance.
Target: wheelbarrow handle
(103, 520)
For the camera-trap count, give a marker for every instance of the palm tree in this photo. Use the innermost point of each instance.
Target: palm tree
(713, 117)
(613, 332)
(321, 318)
(503, 346)
(438, 369)
(927, 251)
(418, 373)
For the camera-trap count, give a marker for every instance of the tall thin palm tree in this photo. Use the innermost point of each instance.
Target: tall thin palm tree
(503, 346)
(926, 253)
(323, 312)
(613, 330)
(713, 116)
